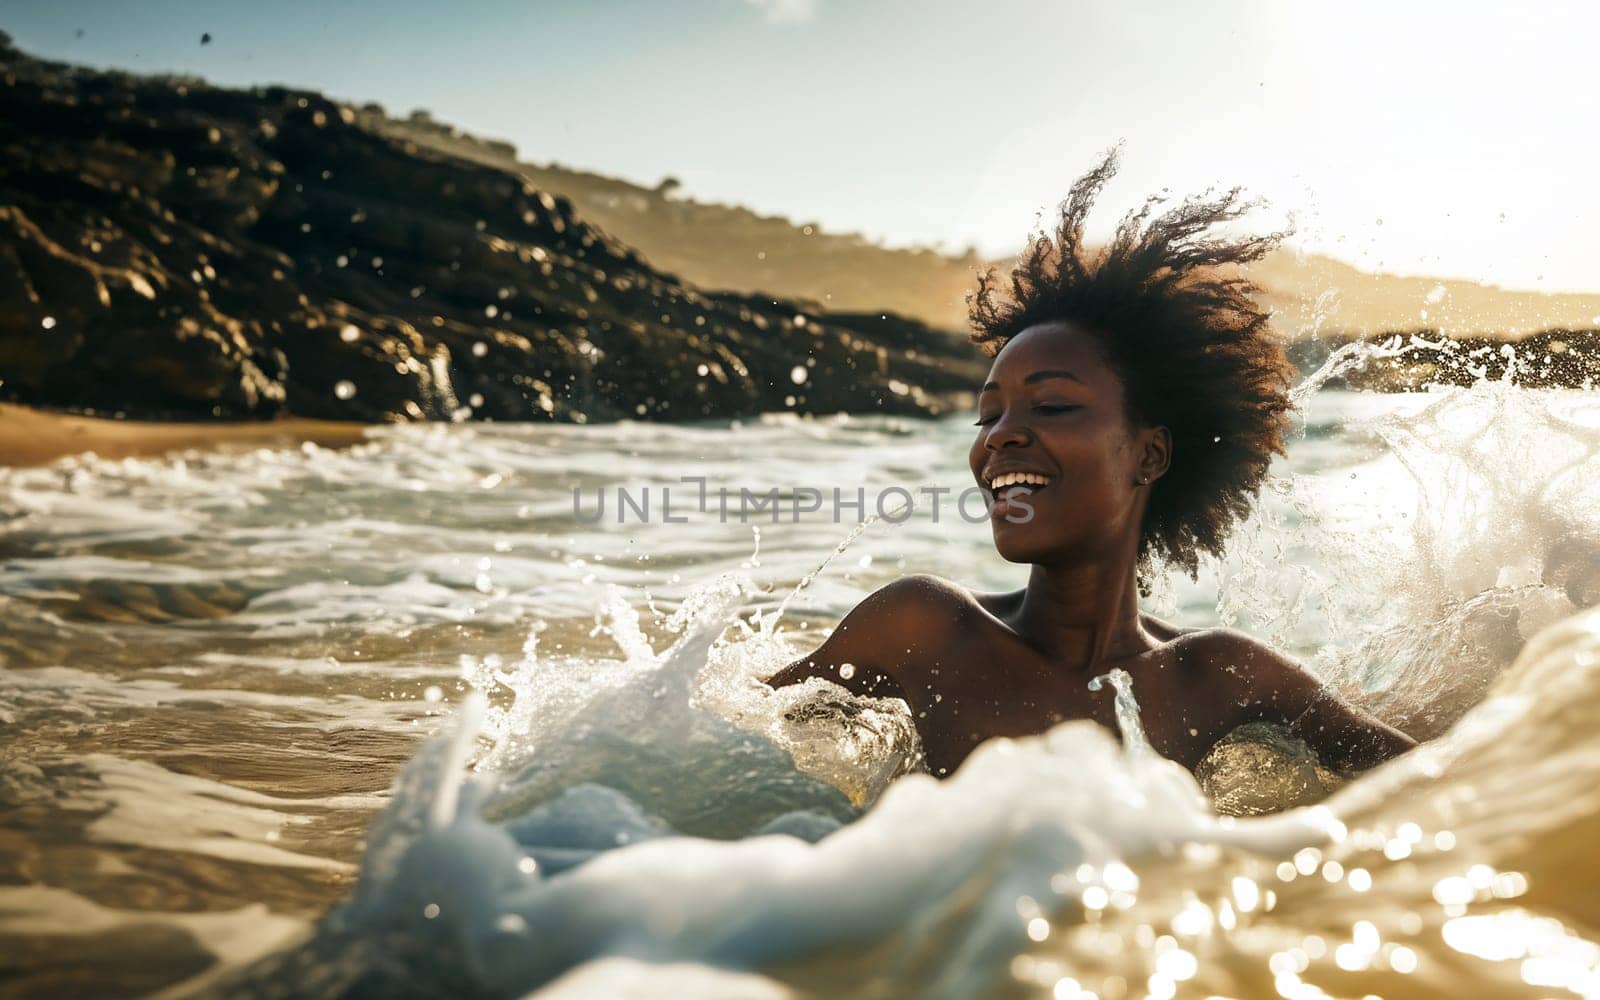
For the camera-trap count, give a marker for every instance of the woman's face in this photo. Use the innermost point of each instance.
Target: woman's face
(1057, 452)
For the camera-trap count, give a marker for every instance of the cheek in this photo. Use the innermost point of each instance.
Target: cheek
(1094, 463)
(975, 455)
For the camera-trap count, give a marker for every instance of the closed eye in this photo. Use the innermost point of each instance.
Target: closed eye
(1048, 409)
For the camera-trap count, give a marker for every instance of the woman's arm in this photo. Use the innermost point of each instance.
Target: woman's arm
(1281, 690)
(1344, 736)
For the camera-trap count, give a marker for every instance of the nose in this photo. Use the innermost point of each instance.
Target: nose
(1007, 432)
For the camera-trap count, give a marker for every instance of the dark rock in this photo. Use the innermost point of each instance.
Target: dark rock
(172, 249)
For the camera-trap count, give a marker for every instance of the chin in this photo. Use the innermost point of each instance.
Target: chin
(1014, 543)
(1046, 541)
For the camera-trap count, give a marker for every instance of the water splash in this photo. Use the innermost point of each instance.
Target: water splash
(1022, 868)
(838, 550)
(818, 864)
(1127, 712)
(1424, 570)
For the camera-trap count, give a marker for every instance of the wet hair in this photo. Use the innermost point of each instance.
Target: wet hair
(1180, 326)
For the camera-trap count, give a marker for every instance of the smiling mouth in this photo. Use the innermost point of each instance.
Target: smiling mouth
(1005, 480)
(1003, 485)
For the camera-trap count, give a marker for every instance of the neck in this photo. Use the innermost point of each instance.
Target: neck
(1086, 612)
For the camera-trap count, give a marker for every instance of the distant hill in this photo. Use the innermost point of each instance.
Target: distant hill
(726, 246)
(1314, 295)
(721, 246)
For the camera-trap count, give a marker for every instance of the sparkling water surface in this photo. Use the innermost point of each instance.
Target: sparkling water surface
(215, 666)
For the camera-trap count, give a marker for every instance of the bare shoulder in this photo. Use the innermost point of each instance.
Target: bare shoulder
(922, 588)
(1252, 664)
(921, 605)
(1226, 643)
(888, 637)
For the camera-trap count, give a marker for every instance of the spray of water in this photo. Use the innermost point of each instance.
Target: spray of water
(568, 843)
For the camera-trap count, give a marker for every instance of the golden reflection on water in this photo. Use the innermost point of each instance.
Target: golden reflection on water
(1465, 872)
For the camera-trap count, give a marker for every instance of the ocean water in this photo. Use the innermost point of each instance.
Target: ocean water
(399, 720)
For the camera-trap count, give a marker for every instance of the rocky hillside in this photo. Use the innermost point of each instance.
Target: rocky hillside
(168, 248)
(727, 246)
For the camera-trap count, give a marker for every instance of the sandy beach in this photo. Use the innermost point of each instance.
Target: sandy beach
(35, 437)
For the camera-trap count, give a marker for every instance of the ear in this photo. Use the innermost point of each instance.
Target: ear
(1155, 452)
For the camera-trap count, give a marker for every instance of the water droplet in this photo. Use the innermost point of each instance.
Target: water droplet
(433, 693)
(480, 349)
(349, 333)
(797, 374)
(1246, 894)
(847, 670)
(1453, 890)
(49, 322)
(431, 910)
(1177, 964)
(344, 389)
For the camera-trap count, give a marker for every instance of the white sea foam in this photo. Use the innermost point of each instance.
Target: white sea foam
(528, 877)
(944, 882)
(686, 825)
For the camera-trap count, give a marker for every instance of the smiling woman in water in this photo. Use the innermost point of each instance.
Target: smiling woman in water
(1134, 404)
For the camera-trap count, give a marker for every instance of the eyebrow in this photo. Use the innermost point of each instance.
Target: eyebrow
(1038, 376)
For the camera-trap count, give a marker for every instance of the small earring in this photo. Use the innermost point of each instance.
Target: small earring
(1144, 480)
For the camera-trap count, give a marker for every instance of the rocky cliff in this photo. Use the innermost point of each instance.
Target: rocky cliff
(169, 248)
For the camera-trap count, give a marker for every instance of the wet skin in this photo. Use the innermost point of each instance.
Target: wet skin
(972, 666)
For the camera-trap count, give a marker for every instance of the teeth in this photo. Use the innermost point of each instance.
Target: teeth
(1018, 479)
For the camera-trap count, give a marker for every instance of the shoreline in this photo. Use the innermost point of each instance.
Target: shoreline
(32, 437)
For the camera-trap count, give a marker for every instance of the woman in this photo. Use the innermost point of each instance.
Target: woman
(1134, 404)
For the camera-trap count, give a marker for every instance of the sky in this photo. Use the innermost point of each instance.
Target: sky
(1450, 139)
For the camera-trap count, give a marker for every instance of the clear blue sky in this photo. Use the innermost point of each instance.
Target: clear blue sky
(1453, 139)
